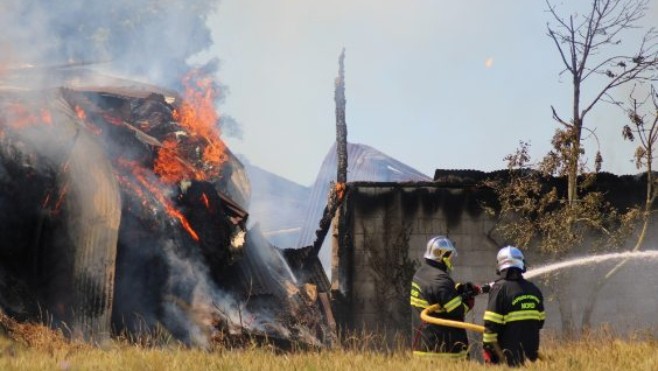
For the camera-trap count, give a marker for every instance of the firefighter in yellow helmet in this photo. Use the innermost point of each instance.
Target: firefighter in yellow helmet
(514, 314)
(432, 284)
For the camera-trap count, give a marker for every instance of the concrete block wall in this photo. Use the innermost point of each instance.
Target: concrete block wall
(375, 230)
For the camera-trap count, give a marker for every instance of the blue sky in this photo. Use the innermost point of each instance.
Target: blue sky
(435, 84)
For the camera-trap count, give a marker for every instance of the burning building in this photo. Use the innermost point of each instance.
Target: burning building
(123, 210)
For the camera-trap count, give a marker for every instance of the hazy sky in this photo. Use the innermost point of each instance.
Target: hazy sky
(435, 84)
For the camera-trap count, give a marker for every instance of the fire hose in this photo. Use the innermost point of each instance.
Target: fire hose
(425, 316)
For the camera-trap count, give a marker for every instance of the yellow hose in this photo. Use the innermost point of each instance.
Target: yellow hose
(424, 315)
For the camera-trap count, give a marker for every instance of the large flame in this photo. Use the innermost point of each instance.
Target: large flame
(197, 115)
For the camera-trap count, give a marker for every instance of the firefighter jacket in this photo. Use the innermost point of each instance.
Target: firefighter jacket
(513, 318)
(431, 285)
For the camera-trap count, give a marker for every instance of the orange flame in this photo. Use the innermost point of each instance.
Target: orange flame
(197, 115)
(82, 115)
(205, 200)
(340, 190)
(114, 120)
(61, 198)
(20, 117)
(171, 167)
(46, 117)
(141, 177)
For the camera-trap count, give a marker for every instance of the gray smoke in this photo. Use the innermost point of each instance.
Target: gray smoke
(144, 38)
(193, 302)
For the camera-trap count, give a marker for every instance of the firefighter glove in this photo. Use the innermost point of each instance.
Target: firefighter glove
(470, 302)
(470, 290)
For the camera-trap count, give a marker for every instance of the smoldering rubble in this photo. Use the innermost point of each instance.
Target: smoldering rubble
(124, 212)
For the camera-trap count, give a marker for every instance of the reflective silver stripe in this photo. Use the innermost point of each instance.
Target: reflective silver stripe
(419, 302)
(489, 337)
(453, 304)
(459, 355)
(494, 317)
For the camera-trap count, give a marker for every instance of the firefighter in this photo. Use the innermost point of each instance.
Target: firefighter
(514, 314)
(432, 284)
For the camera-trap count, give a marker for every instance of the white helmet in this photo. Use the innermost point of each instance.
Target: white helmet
(439, 247)
(510, 257)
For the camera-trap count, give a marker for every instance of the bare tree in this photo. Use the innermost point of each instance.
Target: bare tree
(538, 210)
(588, 45)
(643, 115)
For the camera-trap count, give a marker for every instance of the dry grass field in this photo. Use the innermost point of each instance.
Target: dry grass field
(25, 347)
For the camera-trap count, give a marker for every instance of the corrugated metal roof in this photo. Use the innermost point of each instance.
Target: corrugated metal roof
(364, 164)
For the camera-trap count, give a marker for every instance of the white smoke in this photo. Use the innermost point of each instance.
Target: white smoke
(192, 317)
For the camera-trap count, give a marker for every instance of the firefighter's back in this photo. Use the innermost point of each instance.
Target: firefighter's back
(524, 317)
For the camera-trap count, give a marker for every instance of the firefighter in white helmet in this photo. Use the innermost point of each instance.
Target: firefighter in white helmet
(514, 314)
(432, 284)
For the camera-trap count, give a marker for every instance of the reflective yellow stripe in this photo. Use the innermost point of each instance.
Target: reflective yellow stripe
(459, 355)
(522, 315)
(415, 285)
(453, 304)
(419, 302)
(525, 297)
(489, 337)
(494, 317)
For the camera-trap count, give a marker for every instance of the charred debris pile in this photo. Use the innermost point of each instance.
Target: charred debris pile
(121, 210)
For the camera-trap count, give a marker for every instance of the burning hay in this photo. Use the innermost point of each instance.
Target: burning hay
(122, 210)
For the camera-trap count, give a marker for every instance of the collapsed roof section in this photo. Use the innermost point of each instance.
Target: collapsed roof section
(178, 235)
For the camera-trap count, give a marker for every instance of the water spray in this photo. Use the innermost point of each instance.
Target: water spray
(649, 254)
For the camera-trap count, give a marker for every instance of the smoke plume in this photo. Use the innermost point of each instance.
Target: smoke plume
(148, 38)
